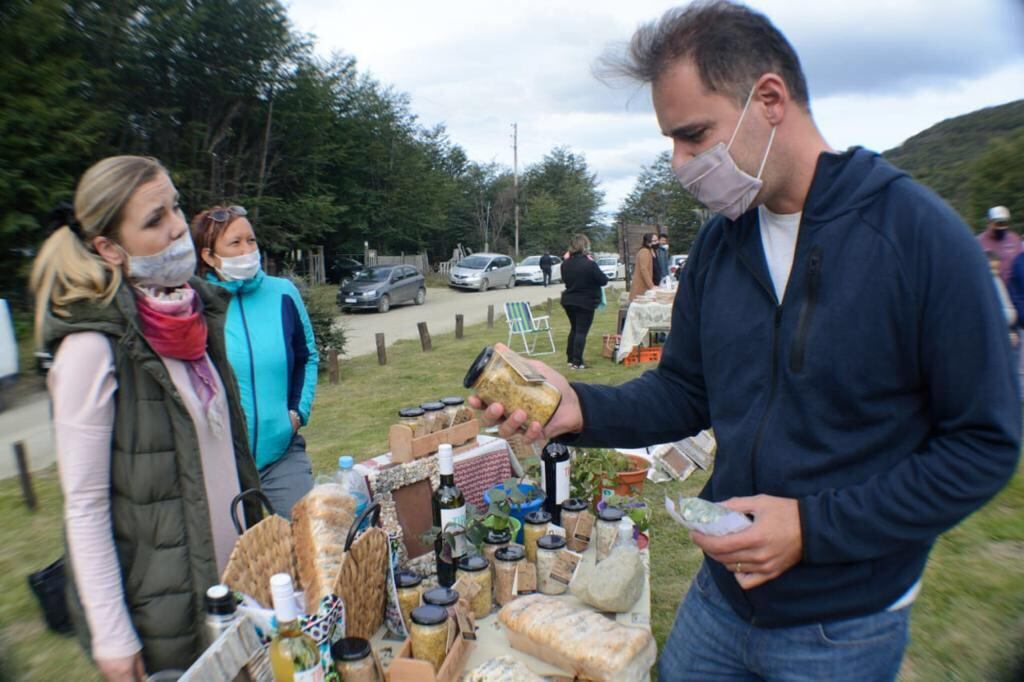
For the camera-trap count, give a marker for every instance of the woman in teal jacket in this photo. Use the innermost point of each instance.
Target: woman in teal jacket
(270, 346)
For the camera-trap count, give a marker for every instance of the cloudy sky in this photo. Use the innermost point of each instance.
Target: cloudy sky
(878, 71)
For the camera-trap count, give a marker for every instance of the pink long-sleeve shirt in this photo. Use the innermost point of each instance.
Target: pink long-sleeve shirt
(82, 384)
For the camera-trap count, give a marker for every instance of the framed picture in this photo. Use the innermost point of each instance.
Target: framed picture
(403, 492)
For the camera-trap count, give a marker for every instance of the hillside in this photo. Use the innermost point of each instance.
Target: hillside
(943, 156)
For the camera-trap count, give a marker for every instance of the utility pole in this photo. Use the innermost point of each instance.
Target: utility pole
(487, 229)
(515, 181)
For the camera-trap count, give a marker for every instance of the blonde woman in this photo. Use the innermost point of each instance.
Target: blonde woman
(151, 443)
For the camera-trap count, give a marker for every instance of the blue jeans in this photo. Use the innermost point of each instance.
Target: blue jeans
(710, 642)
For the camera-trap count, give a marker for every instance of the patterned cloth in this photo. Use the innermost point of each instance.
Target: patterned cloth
(642, 318)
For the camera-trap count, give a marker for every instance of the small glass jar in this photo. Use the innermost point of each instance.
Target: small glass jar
(410, 591)
(353, 660)
(430, 634)
(478, 570)
(413, 418)
(606, 530)
(506, 563)
(434, 416)
(571, 510)
(536, 526)
(493, 378)
(452, 407)
(441, 596)
(548, 548)
(495, 540)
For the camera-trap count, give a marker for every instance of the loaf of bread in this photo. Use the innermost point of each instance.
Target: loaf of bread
(578, 640)
(320, 525)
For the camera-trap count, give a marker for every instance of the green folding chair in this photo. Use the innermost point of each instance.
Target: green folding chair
(522, 324)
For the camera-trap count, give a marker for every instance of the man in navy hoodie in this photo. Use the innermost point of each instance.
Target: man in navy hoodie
(838, 327)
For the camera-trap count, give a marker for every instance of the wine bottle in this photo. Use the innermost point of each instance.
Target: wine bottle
(554, 479)
(294, 656)
(449, 507)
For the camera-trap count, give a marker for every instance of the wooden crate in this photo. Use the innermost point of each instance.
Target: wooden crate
(404, 448)
(405, 668)
(641, 355)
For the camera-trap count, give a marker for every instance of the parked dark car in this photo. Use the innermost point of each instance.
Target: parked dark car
(343, 268)
(381, 287)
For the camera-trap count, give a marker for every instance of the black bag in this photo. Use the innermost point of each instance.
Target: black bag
(48, 586)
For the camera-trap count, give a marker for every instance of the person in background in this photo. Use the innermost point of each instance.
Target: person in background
(1009, 307)
(999, 238)
(546, 261)
(643, 269)
(271, 347)
(662, 257)
(150, 436)
(583, 281)
(838, 328)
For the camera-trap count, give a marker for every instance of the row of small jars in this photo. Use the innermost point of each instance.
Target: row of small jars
(432, 416)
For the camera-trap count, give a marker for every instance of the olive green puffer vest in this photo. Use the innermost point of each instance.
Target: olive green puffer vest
(159, 511)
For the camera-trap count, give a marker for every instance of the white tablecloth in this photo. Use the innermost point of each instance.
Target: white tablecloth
(642, 318)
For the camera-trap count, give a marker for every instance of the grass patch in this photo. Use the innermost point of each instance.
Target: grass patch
(967, 624)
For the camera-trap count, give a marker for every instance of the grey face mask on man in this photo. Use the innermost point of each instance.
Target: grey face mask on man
(714, 179)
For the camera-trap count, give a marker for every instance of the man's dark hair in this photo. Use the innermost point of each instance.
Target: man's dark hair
(650, 238)
(731, 45)
(663, 235)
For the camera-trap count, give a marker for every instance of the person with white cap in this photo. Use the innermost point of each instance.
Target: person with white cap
(1001, 240)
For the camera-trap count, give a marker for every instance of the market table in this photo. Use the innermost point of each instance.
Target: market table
(492, 642)
(641, 319)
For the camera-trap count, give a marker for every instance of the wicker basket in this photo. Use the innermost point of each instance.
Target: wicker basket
(363, 577)
(259, 553)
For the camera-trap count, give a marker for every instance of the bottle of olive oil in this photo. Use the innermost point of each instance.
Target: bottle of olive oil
(449, 507)
(294, 656)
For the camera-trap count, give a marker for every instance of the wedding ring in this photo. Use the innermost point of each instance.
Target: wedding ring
(739, 566)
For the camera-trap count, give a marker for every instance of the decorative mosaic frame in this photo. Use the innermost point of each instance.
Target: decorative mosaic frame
(384, 482)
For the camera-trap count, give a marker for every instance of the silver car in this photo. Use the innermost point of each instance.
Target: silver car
(483, 271)
(381, 287)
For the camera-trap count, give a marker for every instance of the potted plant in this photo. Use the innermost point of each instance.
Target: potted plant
(599, 472)
(638, 512)
(507, 505)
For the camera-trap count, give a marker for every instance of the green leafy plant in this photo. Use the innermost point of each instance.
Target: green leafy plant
(498, 515)
(595, 469)
(635, 508)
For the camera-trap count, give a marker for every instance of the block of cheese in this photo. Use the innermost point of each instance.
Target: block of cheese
(578, 639)
(320, 524)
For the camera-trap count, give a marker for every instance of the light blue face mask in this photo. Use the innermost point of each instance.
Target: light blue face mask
(168, 269)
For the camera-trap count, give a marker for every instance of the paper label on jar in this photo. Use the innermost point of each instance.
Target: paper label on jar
(466, 587)
(465, 623)
(565, 566)
(555, 530)
(521, 366)
(526, 578)
(584, 527)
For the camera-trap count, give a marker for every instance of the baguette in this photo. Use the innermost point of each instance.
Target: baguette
(577, 639)
(320, 524)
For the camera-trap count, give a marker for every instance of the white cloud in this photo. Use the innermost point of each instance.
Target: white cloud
(878, 70)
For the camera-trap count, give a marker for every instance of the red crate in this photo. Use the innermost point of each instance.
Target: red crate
(641, 355)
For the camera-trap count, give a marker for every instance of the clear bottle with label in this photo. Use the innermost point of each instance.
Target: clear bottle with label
(571, 510)
(409, 586)
(434, 416)
(477, 569)
(555, 464)
(294, 656)
(452, 407)
(495, 540)
(448, 505)
(413, 418)
(353, 660)
(430, 634)
(535, 526)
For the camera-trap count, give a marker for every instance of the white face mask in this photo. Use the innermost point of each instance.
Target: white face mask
(714, 179)
(169, 268)
(242, 267)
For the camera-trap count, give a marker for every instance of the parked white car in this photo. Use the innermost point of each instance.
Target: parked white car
(528, 271)
(483, 271)
(8, 352)
(612, 267)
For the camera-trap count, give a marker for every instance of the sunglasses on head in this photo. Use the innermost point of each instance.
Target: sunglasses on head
(223, 214)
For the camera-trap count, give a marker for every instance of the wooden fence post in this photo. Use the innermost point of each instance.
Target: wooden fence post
(332, 365)
(490, 316)
(382, 353)
(424, 336)
(458, 326)
(24, 476)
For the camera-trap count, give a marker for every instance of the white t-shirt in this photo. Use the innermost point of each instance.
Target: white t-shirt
(778, 238)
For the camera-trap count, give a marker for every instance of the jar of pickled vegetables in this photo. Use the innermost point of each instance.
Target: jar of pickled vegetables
(503, 376)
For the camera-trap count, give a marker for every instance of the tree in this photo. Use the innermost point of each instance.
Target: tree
(658, 199)
(997, 178)
(562, 198)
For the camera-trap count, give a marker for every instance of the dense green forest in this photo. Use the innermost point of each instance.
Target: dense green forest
(973, 161)
(238, 106)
